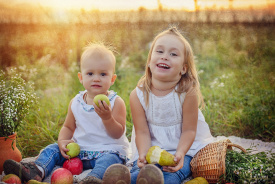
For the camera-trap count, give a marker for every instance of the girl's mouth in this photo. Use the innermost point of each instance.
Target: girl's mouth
(162, 65)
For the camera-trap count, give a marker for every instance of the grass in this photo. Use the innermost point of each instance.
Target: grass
(235, 64)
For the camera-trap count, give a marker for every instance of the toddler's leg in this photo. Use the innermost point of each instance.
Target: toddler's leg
(103, 162)
(27, 171)
(101, 165)
(50, 157)
(180, 175)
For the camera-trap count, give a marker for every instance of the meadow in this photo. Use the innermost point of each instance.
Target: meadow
(235, 62)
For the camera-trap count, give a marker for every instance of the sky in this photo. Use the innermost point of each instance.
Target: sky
(149, 4)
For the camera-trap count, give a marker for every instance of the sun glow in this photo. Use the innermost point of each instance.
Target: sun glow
(105, 5)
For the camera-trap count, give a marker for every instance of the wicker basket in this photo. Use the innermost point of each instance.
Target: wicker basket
(209, 162)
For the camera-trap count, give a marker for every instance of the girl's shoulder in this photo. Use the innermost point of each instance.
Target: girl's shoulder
(192, 91)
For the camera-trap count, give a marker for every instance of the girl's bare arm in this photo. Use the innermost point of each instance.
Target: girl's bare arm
(143, 139)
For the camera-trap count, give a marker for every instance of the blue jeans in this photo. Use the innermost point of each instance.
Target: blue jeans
(51, 156)
(169, 177)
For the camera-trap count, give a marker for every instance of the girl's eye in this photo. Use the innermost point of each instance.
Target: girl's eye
(103, 74)
(159, 51)
(90, 73)
(173, 54)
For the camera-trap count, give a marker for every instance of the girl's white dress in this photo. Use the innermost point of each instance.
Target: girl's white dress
(90, 132)
(164, 118)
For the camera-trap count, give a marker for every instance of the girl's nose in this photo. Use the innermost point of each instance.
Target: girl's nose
(164, 57)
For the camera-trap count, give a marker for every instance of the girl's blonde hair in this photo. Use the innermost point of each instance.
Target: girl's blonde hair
(187, 81)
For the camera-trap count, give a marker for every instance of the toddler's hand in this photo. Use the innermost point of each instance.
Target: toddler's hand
(103, 110)
(62, 147)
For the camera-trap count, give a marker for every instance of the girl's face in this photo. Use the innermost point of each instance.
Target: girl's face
(167, 59)
(97, 75)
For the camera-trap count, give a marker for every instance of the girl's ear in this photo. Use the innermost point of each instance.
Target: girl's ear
(184, 70)
(113, 79)
(80, 77)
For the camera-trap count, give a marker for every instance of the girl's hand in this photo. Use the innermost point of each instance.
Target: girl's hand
(103, 110)
(62, 147)
(179, 159)
(141, 161)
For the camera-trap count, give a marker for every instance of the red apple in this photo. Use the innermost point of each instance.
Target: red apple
(74, 165)
(11, 178)
(62, 176)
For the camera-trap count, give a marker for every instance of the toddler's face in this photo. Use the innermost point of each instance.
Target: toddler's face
(97, 74)
(167, 59)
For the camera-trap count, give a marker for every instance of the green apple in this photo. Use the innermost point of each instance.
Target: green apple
(74, 149)
(102, 98)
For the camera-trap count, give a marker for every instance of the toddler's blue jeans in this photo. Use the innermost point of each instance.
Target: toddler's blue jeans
(51, 156)
(169, 177)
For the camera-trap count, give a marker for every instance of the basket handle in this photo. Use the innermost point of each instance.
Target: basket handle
(237, 146)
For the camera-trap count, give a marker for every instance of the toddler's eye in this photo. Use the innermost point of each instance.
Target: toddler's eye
(159, 51)
(173, 54)
(89, 73)
(103, 74)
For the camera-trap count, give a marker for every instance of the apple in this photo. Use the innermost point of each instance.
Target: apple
(74, 165)
(102, 98)
(11, 178)
(74, 149)
(62, 176)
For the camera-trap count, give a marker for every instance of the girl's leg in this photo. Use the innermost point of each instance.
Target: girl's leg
(102, 163)
(50, 157)
(134, 173)
(180, 175)
(147, 174)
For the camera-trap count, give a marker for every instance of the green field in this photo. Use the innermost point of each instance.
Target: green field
(235, 64)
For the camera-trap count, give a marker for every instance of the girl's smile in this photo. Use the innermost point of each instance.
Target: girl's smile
(163, 65)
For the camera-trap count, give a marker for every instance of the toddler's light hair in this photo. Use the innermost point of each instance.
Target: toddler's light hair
(98, 50)
(187, 81)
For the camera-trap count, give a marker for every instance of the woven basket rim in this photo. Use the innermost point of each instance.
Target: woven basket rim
(209, 162)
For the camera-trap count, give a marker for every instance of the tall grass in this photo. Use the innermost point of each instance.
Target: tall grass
(235, 64)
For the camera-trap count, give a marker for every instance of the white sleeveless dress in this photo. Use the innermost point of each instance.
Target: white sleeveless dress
(164, 117)
(90, 132)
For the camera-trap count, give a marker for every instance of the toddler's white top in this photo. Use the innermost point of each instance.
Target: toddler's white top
(90, 132)
(164, 118)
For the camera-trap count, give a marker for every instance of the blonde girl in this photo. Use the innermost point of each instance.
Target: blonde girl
(165, 110)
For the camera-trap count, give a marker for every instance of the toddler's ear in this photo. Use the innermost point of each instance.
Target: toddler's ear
(113, 78)
(79, 77)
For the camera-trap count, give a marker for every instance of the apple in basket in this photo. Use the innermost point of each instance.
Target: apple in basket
(62, 176)
(74, 165)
